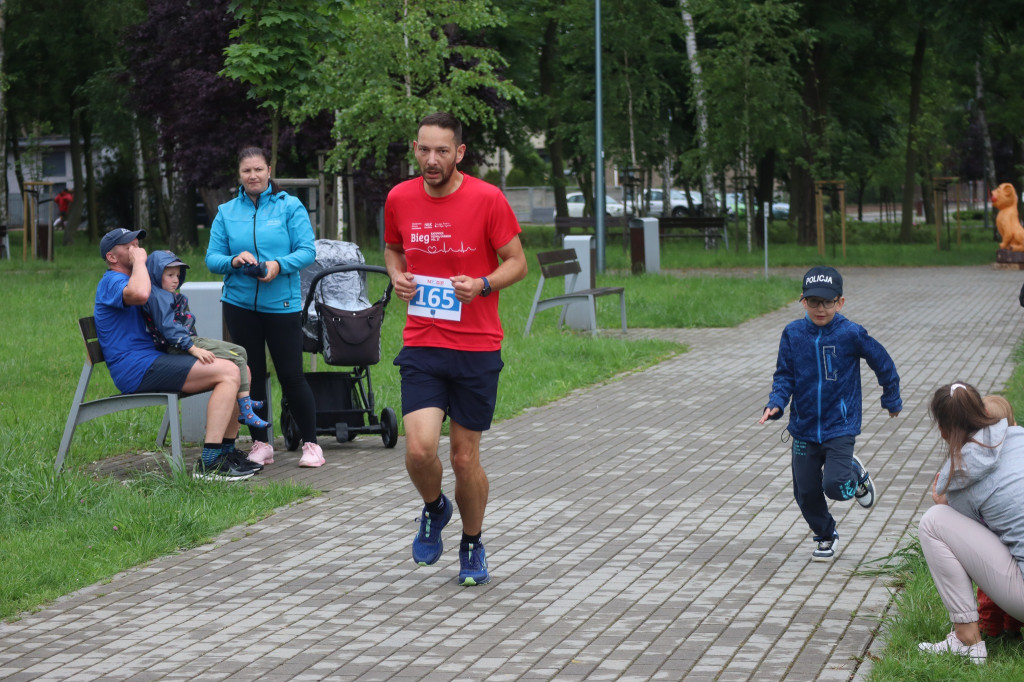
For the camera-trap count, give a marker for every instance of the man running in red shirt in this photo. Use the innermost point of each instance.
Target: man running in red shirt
(452, 242)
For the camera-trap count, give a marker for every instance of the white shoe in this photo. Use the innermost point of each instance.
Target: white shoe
(261, 453)
(312, 456)
(825, 549)
(976, 652)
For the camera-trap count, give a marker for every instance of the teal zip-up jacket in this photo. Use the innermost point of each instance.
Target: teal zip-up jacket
(819, 369)
(277, 229)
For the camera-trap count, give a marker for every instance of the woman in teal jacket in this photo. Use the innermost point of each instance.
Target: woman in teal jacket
(259, 241)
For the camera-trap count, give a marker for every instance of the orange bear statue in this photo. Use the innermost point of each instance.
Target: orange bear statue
(1004, 198)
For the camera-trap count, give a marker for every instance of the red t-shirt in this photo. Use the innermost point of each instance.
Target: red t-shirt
(63, 200)
(458, 234)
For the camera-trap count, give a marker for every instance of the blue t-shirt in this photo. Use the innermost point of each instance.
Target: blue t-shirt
(121, 330)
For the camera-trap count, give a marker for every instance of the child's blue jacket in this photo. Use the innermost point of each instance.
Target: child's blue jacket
(819, 369)
(168, 319)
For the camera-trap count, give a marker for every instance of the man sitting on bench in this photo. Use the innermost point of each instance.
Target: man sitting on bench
(136, 366)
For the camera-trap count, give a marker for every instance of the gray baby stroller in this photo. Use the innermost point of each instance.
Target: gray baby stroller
(339, 323)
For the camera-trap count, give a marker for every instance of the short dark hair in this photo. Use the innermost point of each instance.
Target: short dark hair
(443, 119)
(250, 152)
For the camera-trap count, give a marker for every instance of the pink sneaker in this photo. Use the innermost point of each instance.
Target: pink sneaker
(261, 453)
(312, 456)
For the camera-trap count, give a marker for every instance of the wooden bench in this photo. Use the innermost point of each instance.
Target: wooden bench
(710, 228)
(565, 226)
(83, 410)
(563, 263)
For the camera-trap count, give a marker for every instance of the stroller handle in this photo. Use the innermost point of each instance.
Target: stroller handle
(349, 267)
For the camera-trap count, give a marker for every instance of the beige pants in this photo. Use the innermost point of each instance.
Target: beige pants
(958, 550)
(226, 351)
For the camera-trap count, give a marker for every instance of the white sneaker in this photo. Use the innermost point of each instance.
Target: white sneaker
(261, 453)
(976, 652)
(825, 550)
(312, 456)
(865, 488)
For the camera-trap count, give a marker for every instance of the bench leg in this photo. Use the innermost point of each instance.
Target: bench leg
(165, 427)
(65, 441)
(593, 315)
(172, 420)
(72, 422)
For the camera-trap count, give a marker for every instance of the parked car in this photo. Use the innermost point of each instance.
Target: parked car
(677, 200)
(737, 208)
(576, 203)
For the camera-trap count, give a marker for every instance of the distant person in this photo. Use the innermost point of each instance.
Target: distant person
(173, 328)
(137, 366)
(975, 532)
(63, 202)
(993, 621)
(259, 241)
(454, 240)
(818, 368)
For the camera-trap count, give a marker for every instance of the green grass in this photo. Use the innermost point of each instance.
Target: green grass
(919, 616)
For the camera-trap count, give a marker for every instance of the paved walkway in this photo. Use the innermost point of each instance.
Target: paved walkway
(643, 529)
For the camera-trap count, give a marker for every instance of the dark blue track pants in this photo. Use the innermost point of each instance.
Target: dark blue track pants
(823, 470)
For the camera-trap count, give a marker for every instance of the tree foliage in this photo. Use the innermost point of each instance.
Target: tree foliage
(276, 54)
(392, 62)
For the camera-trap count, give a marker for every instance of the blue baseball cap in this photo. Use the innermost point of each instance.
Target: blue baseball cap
(117, 236)
(823, 282)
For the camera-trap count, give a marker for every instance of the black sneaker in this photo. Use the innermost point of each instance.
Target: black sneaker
(241, 462)
(220, 470)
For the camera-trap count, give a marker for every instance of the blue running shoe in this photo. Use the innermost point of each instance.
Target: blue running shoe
(474, 565)
(427, 547)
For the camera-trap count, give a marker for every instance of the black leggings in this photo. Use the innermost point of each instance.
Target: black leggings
(281, 333)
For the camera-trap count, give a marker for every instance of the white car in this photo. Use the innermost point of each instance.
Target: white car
(576, 203)
(677, 200)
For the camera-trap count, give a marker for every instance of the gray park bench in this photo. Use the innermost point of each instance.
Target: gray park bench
(563, 263)
(708, 228)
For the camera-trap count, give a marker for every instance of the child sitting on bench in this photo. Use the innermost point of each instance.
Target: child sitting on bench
(173, 328)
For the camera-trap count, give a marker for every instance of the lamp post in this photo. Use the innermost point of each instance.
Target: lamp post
(598, 137)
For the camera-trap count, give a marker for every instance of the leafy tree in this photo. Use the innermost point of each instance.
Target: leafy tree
(750, 65)
(52, 52)
(393, 62)
(276, 55)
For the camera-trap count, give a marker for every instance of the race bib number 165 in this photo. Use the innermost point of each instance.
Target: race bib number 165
(435, 297)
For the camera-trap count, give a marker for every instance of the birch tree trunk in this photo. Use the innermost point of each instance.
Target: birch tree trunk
(910, 171)
(142, 220)
(701, 107)
(979, 97)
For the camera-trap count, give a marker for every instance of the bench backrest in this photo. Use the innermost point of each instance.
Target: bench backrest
(589, 222)
(558, 263)
(692, 222)
(92, 344)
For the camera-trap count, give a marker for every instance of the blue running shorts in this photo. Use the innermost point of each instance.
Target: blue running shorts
(167, 374)
(462, 383)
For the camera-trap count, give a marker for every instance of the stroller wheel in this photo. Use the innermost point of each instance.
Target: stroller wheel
(389, 427)
(342, 433)
(292, 437)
